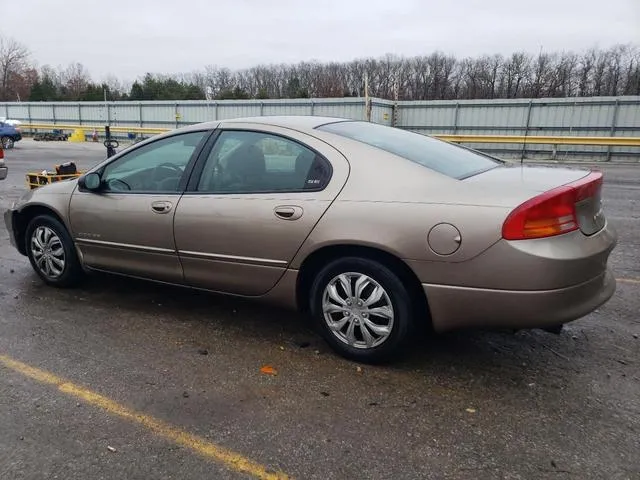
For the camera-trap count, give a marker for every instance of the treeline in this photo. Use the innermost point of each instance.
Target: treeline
(593, 72)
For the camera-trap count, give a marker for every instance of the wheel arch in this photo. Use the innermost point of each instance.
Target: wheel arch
(312, 264)
(22, 218)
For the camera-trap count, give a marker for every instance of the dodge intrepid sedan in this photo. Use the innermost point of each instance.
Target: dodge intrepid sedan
(369, 229)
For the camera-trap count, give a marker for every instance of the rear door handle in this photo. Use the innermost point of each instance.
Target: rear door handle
(161, 207)
(287, 212)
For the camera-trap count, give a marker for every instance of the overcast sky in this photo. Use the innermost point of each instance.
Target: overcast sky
(128, 38)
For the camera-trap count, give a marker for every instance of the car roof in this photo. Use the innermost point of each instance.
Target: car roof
(295, 122)
(290, 121)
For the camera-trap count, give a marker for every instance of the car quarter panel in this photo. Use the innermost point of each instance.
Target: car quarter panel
(402, 229)
(535, 264)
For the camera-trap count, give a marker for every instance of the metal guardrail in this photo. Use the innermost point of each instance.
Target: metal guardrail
(90, 128)
(518, 139)
(544, 139)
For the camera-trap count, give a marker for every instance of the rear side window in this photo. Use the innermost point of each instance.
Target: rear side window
(259, 162)
(443, 157)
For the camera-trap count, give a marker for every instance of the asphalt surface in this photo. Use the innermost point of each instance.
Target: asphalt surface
(468, 405)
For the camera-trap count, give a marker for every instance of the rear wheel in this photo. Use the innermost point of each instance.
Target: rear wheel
(362, 309)
(7, 142)
(51, 252)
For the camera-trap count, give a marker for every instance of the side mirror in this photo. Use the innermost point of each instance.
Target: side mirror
(91, 181)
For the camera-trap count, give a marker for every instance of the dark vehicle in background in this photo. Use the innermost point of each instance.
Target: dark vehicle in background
(9, 135)
(55, 135)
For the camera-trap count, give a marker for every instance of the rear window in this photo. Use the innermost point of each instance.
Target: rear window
(443, 157)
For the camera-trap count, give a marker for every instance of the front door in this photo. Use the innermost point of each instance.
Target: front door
(127, 226)
(258, 196)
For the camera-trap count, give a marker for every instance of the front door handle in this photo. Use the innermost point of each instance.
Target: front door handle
(161, 207)
(288, 212)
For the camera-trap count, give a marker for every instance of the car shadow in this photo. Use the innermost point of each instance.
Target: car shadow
(504, 356)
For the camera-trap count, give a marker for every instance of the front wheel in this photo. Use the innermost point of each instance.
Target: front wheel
(363, 309)
(7, 142)
(51, 252)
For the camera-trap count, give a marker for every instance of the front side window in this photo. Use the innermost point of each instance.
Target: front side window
(155, 168)
(255, 162)
(443, 157)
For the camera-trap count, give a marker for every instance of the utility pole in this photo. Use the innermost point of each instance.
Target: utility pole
(106, 106)
(396, 109)
(367, 100)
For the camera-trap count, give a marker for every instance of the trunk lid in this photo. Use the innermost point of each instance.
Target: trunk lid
(524, 178)
(519, 183)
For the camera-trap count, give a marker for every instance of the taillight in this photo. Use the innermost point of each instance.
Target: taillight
(552, 212)
(1, 154)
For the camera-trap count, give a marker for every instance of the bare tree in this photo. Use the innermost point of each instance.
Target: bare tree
(614, 71)
(75, 79)
(437, 76)
(14, 62)
(440, 76)
(632, 71)
(114, 85)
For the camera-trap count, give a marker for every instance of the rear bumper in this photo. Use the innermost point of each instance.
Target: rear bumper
(463, 307)
(3, 172)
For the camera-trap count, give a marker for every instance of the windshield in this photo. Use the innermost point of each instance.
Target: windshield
(443, 157)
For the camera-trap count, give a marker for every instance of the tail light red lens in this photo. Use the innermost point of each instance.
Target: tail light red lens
(1, 153)
(552, 212)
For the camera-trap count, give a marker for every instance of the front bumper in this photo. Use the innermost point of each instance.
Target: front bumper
(8, 222)
(463, 307)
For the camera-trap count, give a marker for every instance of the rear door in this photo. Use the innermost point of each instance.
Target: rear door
(252, 202)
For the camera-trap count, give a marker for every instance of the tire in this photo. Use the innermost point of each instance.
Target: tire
(395, 295)
(7, 142)
(53, 237)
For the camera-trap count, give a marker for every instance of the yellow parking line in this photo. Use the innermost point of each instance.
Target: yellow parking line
(628, 280)
(230, 459)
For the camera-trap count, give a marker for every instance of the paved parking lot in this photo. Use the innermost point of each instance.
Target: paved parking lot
(125, 379)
